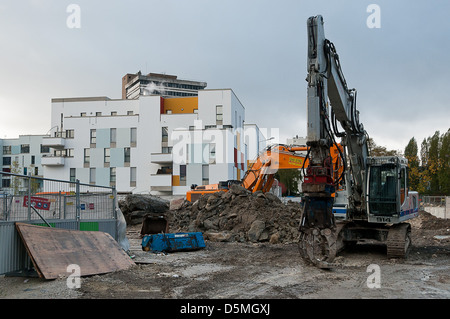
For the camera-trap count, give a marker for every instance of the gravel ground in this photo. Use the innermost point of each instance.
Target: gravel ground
(245, 270)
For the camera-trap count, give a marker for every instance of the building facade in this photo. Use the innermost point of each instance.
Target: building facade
(135, 85)
(23, 156)
(152, 144)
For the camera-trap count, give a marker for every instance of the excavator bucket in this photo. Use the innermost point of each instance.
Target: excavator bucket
(154, 225)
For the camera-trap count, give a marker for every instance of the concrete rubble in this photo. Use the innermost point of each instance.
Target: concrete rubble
(135, 207)
(238, 216)
(234, 216)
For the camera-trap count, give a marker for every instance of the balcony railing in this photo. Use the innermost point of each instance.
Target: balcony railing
(161, 158)
(54, 142)
(52, 161)
(161, 182)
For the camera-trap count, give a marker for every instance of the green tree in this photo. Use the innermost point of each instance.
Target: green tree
(289, 178)
(411, 153)
(434, 169)
(444, 167)
(433, 163)
(376, 150)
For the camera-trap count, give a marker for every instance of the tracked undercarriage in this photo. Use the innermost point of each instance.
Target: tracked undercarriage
(320, 246)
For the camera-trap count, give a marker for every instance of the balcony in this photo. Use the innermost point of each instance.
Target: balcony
(161, 182)
(52, 161)
(161, 158)
(54, 142)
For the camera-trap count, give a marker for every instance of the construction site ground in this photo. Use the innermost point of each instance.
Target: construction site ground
(245, 270)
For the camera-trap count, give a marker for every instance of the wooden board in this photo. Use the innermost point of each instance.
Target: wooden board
(52, 250)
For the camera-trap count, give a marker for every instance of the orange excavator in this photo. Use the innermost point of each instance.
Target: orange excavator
(260, 176)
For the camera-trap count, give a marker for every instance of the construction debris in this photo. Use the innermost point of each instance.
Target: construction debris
(238, 215)
(135, 207)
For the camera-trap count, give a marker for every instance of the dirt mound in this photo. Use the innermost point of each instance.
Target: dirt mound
(429, 221)
(239, 215)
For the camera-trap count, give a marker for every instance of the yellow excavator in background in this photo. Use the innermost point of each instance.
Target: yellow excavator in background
(260, 176)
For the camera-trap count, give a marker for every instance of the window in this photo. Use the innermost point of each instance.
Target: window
(45, 149)
(98, 113)
(403, 185)
(25, 148)
(132, 176)
(6, 160)
(127, 154)
(205, 174)
(70, 152)
(92, 175)
(33, 160)
(219, 114)
(70, 133)
(113, 113)
(182, 175)
(59, 153)
(167, 150)
(6, 183)
(83, 114)
(112, 176)
(212, 153)
(165, 134)
(113, 135)
(383, 189)
(133, 136)
(93, 136)
(6, 150)
(107, 155)
(130, 112)
(87, 155)
(72, 174)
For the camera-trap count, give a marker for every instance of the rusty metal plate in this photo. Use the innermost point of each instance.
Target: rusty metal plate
(52, 250)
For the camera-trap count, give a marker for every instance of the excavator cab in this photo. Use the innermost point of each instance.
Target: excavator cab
(388, 197)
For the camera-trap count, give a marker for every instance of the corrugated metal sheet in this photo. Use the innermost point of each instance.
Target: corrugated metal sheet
(13, 255)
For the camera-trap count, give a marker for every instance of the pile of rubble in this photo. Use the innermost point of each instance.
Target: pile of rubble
(136, 207)
(238, 215)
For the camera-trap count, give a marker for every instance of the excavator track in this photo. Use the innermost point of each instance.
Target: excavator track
(399, 241)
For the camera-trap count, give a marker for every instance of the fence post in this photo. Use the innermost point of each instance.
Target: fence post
(114, 193)
(77, 202)
(29, 197)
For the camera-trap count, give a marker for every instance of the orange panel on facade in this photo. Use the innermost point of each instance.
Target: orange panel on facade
(175, 180)
(180, 105)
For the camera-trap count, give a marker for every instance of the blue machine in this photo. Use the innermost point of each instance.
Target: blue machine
(173, 242)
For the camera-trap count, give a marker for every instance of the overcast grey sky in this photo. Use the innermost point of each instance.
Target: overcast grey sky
(255, 47)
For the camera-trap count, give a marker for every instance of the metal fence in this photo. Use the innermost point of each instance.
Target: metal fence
(438, 206)
(54, 203)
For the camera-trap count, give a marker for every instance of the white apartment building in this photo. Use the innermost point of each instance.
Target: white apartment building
(134, 85)
(21, 156)
(148, 145)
